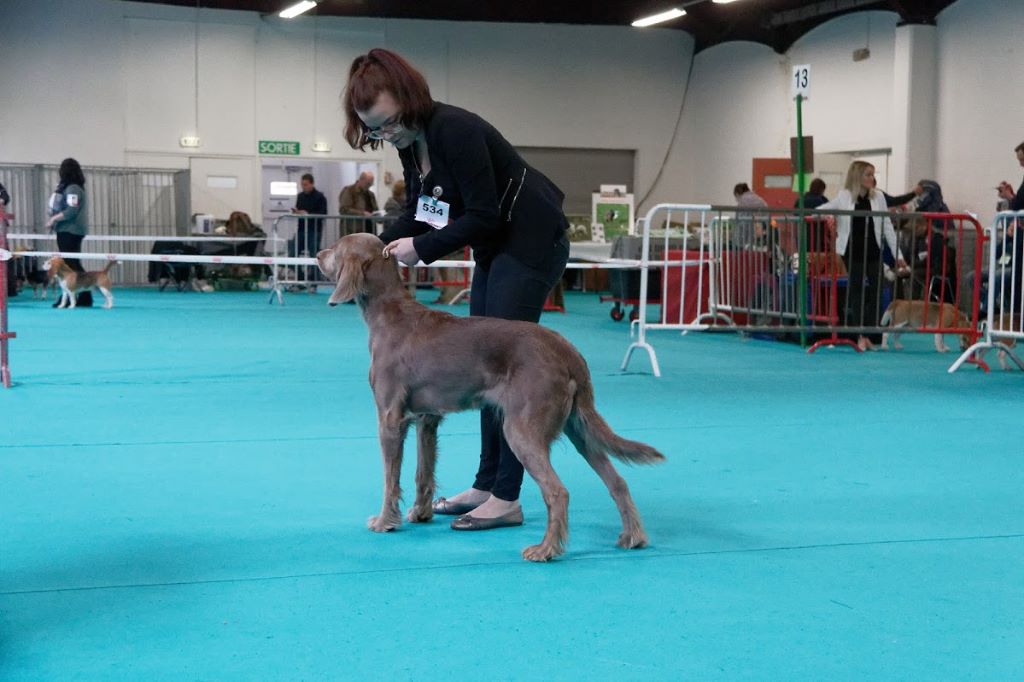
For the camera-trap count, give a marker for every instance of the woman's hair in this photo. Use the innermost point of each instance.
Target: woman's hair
(378, 71)
(398, 191)
(1019, 148)
(740, 189)
(71, 173)
(855, 177)
(817, 186)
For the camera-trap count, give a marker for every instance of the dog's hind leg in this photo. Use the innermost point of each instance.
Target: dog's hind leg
(533, 449)
(633, 535)
(109, 296)
(426, 459)
(392, 428)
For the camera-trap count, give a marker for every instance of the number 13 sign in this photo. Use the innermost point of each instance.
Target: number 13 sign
(801, 82)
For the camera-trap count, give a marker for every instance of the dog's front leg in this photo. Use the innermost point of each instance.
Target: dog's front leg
(426, 460)
(940, 344)
(67, 300)
(392, 428)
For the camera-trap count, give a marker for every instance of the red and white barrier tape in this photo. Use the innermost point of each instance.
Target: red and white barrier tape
(611, 264)
(32, 236)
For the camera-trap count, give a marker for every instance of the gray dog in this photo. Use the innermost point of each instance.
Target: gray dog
(425, 364)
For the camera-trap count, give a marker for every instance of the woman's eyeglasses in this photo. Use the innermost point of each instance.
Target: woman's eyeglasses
(385, 131)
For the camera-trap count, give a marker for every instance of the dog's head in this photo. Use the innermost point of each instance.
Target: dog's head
(239, 223)
(54, 266)
(357, 263)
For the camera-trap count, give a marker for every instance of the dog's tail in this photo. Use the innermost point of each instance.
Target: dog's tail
(588, 429)
(110, 265)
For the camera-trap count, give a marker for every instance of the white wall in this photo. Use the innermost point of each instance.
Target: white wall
(61, 81)
(112, 83)
(739, 106)
(736, 109)
(946, 100)
(980, 103)
(851, 103)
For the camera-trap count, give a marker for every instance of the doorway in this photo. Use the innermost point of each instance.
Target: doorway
(280, 178)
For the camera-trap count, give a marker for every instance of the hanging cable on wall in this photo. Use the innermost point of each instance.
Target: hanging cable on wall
(675, 134)
(316, 71)
(195, 75)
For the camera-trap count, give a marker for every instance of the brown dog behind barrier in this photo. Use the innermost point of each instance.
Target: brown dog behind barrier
(72, 281)
(426, 363)
(1011, 322)
(915, 314)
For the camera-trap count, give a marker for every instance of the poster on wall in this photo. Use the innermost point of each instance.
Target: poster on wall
(615, 212)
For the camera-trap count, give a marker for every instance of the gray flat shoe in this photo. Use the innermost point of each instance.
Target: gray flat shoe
(470, 522)
(444, 507)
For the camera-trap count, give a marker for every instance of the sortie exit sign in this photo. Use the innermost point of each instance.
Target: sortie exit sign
(281, 147)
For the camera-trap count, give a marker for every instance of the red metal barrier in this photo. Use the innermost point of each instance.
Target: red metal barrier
(5, 335)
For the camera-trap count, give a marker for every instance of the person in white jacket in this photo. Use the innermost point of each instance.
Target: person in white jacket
(859, 240)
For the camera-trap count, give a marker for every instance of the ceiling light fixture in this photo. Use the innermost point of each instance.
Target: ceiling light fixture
(671, 14)
(723, 2)
(297, 9)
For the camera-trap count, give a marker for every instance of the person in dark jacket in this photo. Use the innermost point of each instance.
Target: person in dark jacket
(467, 186)
(12, 282)
(815, 195)
(69, 219)
(309, 231)
(1016, 200)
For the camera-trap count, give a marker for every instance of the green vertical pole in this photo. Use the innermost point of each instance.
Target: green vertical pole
(802, 224)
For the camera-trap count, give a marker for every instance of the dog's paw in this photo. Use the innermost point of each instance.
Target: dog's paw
(381, 524)
(420, 514)
(636, 539)
(540, 553)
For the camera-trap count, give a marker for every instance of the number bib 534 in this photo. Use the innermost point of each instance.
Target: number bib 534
(432, 211)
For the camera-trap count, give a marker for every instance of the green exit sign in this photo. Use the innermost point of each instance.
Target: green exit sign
(281, 147)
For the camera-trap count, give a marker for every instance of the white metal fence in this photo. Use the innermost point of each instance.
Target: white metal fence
(1004, 281)
(119, 202)
(778, 272)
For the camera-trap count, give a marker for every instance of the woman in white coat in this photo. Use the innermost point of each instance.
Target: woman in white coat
(859, 240)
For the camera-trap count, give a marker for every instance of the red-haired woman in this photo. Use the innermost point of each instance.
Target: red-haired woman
(465, 185)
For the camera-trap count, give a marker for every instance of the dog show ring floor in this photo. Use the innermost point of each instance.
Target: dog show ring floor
(185, 482)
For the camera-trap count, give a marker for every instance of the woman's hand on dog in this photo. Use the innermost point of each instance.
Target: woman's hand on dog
(403, 250)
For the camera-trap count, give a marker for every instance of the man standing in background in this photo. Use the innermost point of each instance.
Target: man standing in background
(310, 232)
(358, 200)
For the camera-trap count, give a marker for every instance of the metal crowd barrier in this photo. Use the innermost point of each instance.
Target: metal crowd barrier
(779, 272)
(119, 201)
(1004, 295)
(301, 236)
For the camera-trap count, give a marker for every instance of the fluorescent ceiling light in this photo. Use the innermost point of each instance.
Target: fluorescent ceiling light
(723, 2)
(658, 18)
(297, 9)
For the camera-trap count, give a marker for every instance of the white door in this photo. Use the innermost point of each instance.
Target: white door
(279, 185)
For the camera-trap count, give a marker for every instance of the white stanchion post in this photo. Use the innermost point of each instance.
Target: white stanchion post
(275, 285)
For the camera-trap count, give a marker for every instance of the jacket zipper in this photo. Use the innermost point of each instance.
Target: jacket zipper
(516, 197)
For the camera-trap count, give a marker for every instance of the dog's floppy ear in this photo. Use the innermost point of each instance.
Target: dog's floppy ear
(351, 280)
